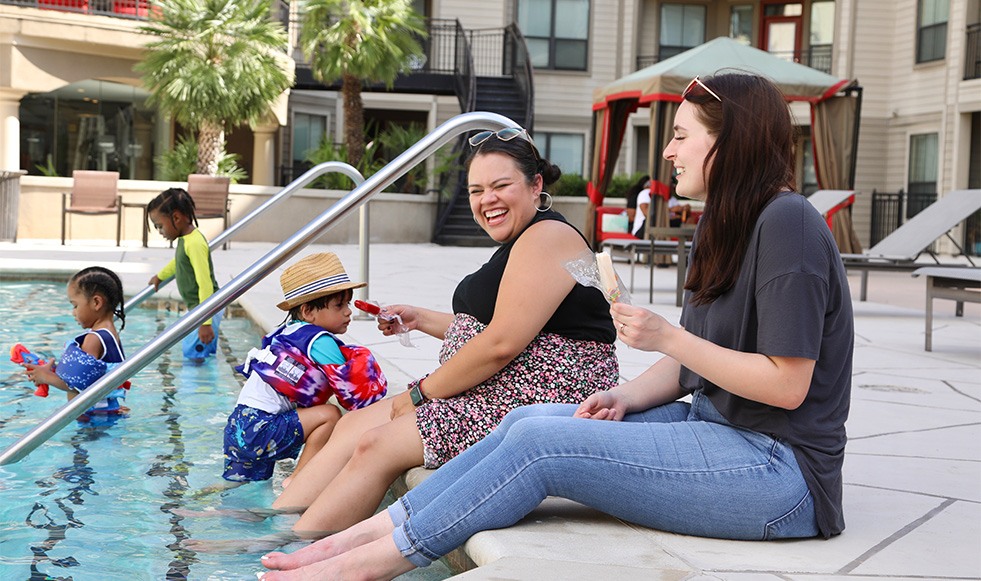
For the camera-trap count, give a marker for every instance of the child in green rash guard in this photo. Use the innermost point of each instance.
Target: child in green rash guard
(172, 214)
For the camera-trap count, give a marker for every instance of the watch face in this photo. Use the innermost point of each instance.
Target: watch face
(416, 394)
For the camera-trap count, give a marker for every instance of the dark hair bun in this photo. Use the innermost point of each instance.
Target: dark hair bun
(550, 172)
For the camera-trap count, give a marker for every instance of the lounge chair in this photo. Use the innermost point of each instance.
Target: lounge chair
(960, 285)
(899, 250)
(825, 201)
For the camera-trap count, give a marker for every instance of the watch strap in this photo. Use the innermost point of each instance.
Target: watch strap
(415, 392)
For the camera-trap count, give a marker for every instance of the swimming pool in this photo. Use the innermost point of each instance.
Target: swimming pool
(95, 501)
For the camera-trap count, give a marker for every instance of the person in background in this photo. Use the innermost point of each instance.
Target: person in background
(764, 350)
(172, 214)
(631, 196)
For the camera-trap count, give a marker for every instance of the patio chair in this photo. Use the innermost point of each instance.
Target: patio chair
(825, 201)
(93, 193)
(210, 195)
(899, 250)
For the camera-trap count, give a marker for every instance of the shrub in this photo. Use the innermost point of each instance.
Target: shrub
(175, 165)
(621, 183)
(568, 185)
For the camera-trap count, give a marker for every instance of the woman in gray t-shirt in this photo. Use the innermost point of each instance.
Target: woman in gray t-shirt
(764, 350)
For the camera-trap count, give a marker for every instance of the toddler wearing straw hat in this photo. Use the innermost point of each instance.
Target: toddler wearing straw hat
(284, 402)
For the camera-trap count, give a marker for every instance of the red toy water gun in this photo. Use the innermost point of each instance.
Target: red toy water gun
(22, 356)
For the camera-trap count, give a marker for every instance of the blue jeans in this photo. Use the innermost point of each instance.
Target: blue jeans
(678, 467)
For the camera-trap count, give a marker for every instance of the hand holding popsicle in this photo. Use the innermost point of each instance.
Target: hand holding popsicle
(396, 321)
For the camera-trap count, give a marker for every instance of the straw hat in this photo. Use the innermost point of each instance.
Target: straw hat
(313, 277)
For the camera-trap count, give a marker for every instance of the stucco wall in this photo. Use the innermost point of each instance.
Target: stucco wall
(394, 218)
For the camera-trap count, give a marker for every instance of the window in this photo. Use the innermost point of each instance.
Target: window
(741, 23)
(563, 149)
(822, 22)
(308, 132)
(682, 27)
(923, 164)
(822, 35)
(556, 31)
(931, 32)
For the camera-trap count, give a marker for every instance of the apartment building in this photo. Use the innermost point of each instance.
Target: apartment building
(70, 100)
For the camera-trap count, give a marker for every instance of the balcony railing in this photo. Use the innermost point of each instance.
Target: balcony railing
(818, 57)
(972, 53)
(137, 9)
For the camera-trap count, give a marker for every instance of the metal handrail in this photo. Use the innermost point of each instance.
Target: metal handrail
(250, 276)
(294, 186)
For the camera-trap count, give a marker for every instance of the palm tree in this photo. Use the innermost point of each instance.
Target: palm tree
(215, 64)
(358, 41)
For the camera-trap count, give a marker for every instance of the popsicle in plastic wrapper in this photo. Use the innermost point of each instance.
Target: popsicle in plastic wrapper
(596, 270)
(607, 277)
(376, 311)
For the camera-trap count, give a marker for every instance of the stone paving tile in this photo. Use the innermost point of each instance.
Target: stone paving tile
(944, 546)
(522, 569)
(871, 517)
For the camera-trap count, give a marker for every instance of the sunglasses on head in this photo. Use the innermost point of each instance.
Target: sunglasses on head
(506, 134)
(697, 83)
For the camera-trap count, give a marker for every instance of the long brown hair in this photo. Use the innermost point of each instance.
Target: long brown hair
(752, 161)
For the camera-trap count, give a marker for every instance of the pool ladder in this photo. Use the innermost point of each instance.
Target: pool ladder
(191, 320)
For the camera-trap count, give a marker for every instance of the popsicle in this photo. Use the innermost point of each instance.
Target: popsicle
(607, 277)
(370, 308)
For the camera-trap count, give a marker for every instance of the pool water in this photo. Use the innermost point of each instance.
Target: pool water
(96, 500)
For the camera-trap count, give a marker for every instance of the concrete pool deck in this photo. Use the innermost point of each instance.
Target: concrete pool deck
(913, 469)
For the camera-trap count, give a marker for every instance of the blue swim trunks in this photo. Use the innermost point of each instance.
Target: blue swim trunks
(255, 439)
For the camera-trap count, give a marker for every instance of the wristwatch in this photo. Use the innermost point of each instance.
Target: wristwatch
(415, 392)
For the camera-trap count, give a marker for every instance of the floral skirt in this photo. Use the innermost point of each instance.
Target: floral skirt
(552, 369)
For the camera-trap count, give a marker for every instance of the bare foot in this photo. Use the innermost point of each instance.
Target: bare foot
(376, 560)
(242, 514)
(287, 480)
(362, 533)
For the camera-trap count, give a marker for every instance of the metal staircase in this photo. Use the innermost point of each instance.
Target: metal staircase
(503, 84)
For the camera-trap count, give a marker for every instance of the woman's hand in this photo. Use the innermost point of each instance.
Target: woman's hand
(408, 314)
(640, 328)
(155, 283)
(402, 404)
(603, 405)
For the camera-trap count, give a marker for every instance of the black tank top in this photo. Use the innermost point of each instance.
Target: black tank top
(583, 315)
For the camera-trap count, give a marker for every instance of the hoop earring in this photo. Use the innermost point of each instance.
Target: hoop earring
(548, 204)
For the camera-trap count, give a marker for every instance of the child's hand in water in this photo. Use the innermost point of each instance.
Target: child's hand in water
(206, 334)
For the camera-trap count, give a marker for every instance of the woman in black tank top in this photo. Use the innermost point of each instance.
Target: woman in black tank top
(522, 332)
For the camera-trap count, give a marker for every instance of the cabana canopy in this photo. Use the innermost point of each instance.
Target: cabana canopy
(835, 105)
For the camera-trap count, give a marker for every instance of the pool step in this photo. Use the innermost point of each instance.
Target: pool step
(561, 540)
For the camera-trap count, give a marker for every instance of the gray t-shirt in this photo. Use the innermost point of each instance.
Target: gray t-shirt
(791, 299)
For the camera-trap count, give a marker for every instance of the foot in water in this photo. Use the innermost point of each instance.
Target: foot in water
(242, 514)
(240, 546)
